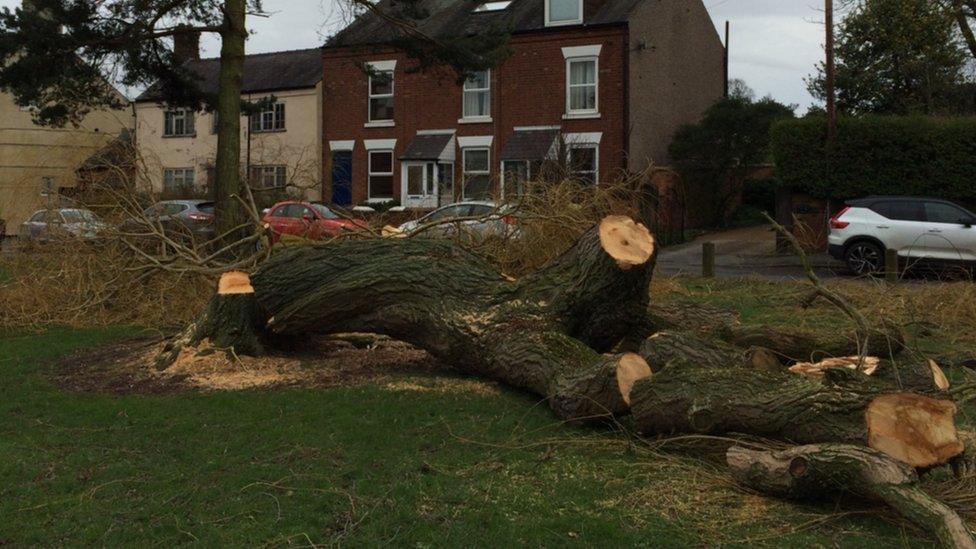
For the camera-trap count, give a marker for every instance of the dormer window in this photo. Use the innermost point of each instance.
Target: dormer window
(564, 12)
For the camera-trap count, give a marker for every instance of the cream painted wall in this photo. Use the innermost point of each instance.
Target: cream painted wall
(29, 153)
(298, 147)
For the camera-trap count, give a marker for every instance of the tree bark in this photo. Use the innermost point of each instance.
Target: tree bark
(811, 472)
(230, 214)
(799, 345)
(680, 349)
(544, 333)
(232, 321)
(790, 407)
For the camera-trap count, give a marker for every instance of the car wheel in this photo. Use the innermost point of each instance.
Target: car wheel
(864, 258)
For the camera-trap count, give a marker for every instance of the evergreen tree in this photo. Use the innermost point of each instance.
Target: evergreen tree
(56, 54)
(718, 153)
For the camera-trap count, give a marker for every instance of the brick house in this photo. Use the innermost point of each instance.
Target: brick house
(596, 86)
(280, 147)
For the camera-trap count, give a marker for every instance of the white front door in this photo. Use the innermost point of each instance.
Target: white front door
(419, 185)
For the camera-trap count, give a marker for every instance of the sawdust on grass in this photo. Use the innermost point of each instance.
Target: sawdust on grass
(207, 367)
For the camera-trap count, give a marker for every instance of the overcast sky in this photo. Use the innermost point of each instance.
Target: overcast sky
(775, 43)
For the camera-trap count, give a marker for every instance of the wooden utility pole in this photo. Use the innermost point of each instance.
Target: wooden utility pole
(829, 71)
(728, 34)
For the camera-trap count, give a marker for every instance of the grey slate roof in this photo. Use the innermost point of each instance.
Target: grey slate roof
(457, 18)
(529, 145)
(427, 147)
(263, 72)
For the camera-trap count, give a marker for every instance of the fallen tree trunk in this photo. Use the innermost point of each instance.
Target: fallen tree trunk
(801, 346)
(543, 333)
(814, 472)
(845, 407)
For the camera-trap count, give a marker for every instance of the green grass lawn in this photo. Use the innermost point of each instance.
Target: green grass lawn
(364, 465)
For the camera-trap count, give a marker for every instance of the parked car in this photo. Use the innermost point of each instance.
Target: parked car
(309, 220)
(917, 228)
(60, 223)
(479, 218)
(176, 217)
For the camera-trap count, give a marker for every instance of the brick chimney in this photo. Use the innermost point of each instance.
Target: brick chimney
(186, 45)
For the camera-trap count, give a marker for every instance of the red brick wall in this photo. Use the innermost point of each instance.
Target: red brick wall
(528, 89)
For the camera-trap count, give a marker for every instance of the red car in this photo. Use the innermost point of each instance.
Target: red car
(307, 220)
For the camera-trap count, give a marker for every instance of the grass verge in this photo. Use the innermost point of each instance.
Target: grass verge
(366, 465)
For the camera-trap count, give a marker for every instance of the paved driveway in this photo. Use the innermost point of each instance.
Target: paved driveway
(750, 251)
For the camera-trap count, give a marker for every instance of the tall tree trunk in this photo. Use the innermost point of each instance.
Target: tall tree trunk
(962, 19)
(229, 210)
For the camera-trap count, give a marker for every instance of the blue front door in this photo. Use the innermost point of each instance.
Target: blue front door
(342, 178)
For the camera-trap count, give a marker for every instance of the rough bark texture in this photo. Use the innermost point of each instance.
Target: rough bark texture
(665, 349)
(801, 346)
(781, 406)
(231, 321)
(230, 210)
(543, 333)
(821, 470)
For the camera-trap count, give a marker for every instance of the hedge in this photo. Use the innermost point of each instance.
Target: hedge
(879, 155)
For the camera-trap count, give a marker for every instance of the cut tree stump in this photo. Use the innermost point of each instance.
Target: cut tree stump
(232, 321)
(819, 471)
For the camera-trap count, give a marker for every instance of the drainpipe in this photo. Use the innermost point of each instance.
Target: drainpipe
(247, 162)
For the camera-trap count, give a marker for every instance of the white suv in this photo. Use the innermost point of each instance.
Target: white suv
(917, 228)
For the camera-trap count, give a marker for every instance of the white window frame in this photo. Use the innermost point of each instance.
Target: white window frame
(504, 173)
(583, 113)
(182, 172)
(186, 116)
(577, 21)
(278, 172)
(595, 145)
(465, 117)
(464, 167)
(257, 120)
(370, 173)
(380, 67)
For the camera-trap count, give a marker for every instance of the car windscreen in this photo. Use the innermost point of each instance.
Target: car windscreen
(448, 212)
(206, 207)
(78, 216)
(325, 212)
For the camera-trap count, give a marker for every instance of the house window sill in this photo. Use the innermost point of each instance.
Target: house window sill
(475, 120)
(379, 200)
(380, 124)
(581, 116)
(564, 23)
(174, 136)
(269, 131)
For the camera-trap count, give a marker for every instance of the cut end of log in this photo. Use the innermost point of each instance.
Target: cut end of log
(626, 241)
(914, 429)
(817, 370)
(234, 283)
(390, 231)
(938, 376)
(630, 369)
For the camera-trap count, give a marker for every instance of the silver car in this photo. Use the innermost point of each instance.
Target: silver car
(61, 223)
(478, 218)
